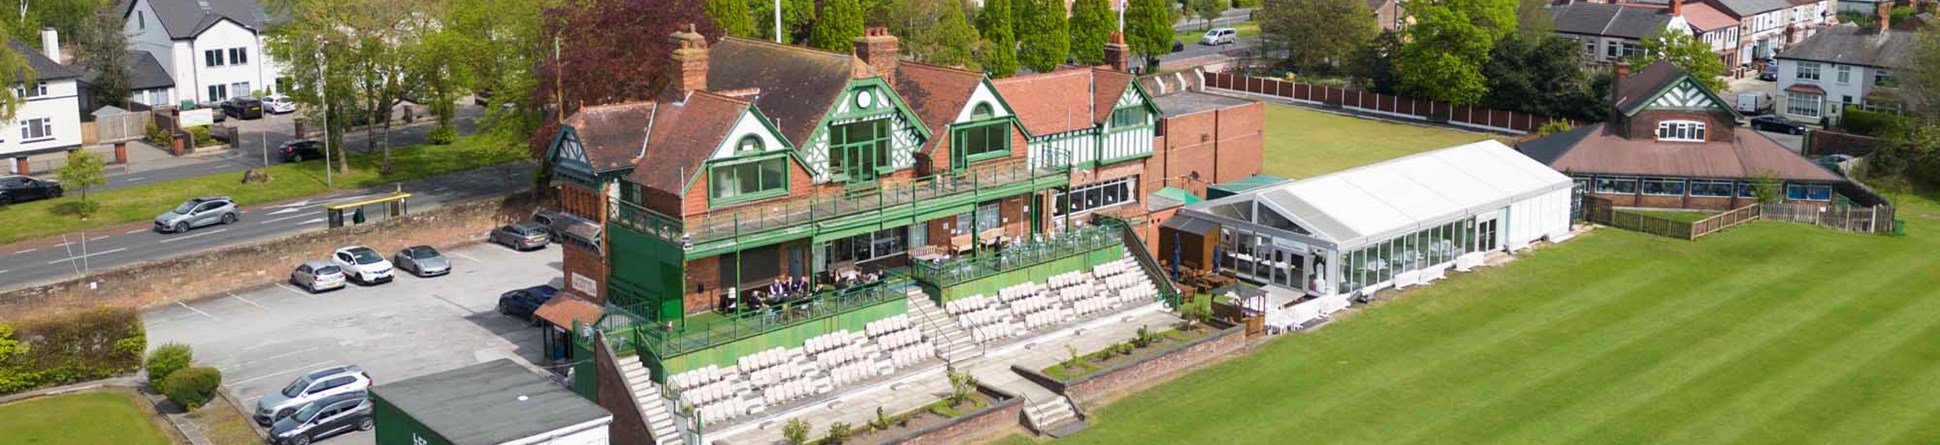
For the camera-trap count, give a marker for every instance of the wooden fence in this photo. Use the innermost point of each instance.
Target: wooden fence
(1382, 104)
(1875, 219)
(118, 127)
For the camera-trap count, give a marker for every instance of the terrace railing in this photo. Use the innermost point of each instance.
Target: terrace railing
(1168, 291)
(1015, 256)
(682, 336)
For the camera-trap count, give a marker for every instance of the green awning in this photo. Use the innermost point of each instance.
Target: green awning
(1170, 197)
(1217, 191)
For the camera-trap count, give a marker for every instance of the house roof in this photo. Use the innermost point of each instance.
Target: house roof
(144, 72)
(44, 68)
(186, 18)
(1602, 19)
(683, 136)
(1853, 45)
(1068, 99)
(1189, 102)
(796, 86)
(1705, 18)
(1592, 149)
(1640, 88)
(612, 134)
(489, 403)
(937, 94)
(564, 309)
(1747, 8)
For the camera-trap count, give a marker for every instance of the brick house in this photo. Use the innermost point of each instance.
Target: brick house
(1844, 65)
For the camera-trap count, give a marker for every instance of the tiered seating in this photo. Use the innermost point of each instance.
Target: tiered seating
(1062, 297)
(786, 390)
(972, 303)
(695, 378)
(720, 400)
(905, 344)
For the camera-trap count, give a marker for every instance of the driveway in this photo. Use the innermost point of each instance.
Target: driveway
(1751, 84)
(264, 338)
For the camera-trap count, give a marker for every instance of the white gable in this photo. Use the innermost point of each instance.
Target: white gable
(1685, 95)
(983, 95)
(745, 126)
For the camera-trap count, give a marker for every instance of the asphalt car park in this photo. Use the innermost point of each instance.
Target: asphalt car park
(264, 338)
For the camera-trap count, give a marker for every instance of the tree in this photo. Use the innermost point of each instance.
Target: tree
(1373, 64)
(103, 50)
(1540, 74)
(999, 56)
(494, 46)
(1317, 33)
(795, 431)
(1090, 26)
(1045, 46)
(166, 360)
(13, 71)
(1148, 28)
(1532, 17)
(732, 16)
(1686, 51)
(837, 26)
(1448, 45)
(933, 31)
(962, 384)
(364, 53)
(1207, 9)
(68, 17)
(83, 170)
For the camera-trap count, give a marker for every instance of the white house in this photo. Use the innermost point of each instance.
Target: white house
(1842, 65)
(212, 48)
(1767, 27)
(49, 119)
(1612, 32)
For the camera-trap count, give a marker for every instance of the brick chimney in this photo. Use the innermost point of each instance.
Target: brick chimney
(1885, 20)
(1677, 7)
(690, 60)
(1117, 54)
(50, 44)
(879, 50)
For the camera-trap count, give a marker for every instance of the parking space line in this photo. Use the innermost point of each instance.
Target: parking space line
(179, 238)
(199, 311)
(98, 238)
(245, 300)
(469, 257)
(302, 368)
(131, 232)
(265, 359)
(26, 251)
(292, 289)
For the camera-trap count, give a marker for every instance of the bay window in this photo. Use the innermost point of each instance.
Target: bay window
(1803, 104)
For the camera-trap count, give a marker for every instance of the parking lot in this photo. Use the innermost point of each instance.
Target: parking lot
(264, 338)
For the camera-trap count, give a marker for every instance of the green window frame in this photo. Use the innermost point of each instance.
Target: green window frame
(1127, 117)
(859, 151)
(748, 179)
(632, 193)
(979, 141)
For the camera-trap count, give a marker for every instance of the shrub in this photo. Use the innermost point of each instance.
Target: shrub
(1867, 123)
(192, 387)
(166, 360)
(795, 432)
(962, 384)
(839, 432)
(882, 420)
(1552, 127)
(443, 135)
(1144, 337)
(157, 135)
(72, 347)
(202, 136)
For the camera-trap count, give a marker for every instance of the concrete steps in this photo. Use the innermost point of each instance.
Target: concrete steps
(1054, 417)
(654, 408)
(951, 340)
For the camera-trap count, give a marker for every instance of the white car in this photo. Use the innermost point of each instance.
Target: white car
(279, 104)
(310, 387)
(363, 264)
(1220, 36)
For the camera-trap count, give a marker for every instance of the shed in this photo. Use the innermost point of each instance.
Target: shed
(1217, 191)
(498, 402)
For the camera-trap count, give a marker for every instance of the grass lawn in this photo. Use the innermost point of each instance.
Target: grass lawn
(1302, 143)
(1765, 334)
(89, 417)
(287, 181)
(1190, 36)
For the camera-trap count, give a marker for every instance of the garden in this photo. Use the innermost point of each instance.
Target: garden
(105, 416)
(1145, 343)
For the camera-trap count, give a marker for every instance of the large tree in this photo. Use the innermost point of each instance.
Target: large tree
(1448, 45)
(25, 18)
(933, 31)
(1090, 26)
(1207, 9)
(494, 46)
(1046, 44)
(607, 51)
(1541, 74)
(1912, 152)
(1316, 33)
(1148, 28)
(837, 26)
(1532, 17)
(998, 53)
(1687, 52)
(103, 50)
(1372, 65)
(732, 16)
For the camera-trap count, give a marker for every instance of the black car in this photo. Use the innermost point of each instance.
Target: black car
(299, 150)
(27, 188)
(1771, 122)
(1768, 76)
(243, 108)
(522, 303)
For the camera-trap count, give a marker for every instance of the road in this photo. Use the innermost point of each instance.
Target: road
(59, 258)
(264, 338)
(273, 131)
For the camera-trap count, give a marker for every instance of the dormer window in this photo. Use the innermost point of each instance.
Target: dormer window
(749, 143)
(1686, 131)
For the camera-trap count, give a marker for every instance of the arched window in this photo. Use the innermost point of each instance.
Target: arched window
(748, 143)
(981, 111)
(1689, 131)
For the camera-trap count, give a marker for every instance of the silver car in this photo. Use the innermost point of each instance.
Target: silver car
(422, 261)
(198, 212)
(318, 276)
(310, 387)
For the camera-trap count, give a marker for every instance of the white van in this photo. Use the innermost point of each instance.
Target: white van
(1220, 36)
(1754, 102)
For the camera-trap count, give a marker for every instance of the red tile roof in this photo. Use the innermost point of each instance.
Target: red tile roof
(937, 94)
(1746, 156)
(1705, 18)
(1805, 88)
(611, 134)
(564, 309)
(683, 135)
(798, 85)
(1055, 102)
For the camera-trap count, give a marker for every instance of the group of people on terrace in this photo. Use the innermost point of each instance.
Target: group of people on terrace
(787, 290)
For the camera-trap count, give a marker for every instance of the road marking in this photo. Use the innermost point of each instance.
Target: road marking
(137, 178)
(469, 257)
(25, 251)
(98, 238)
(192, 308)
(179, 238)
(286, 218)
(131, 232)
(265, 359)
(6, 270)
(245, 300)
(312, 221)
(277, 373)
(298, 292)
(104, 252)
(287, 210)
(63, 244)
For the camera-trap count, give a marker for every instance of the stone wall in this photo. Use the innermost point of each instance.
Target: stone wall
(1092, 391)
(993, 421)
(235, 268)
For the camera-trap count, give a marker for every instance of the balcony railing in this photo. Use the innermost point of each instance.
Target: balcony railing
(686, 335)
(773, 215)
(1016, 256)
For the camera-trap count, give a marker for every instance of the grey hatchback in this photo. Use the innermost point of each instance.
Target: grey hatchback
(198, 212)
(318, 276)
(422, 261)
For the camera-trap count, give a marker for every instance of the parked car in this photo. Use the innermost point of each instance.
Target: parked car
(1770, 75)
(422, 261)
(301, 149)
(279, 104)
(323, 418)
(1178, 46)
(311, 387)
(522, 303)
(481, 97)
(17, 188)
(1754, 102)
(198, 212)
(1771, 122)
(1832, 162)
(550, 221)
(318, 276)
(363, 265)
(521, 236)
(1219, 36)
(243, 108)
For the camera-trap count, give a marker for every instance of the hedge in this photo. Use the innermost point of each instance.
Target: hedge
(192, 387)
(72, 347)
(166, 360)
(1867, 123)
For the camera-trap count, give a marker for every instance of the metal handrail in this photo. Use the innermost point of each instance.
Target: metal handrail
(681, 336)
(1017, 256)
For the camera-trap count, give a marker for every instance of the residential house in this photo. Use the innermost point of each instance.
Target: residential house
(1671, 142)
(1610, 32)
(1843, 65)
(49, 118)
(1389, 14)
(213, 49)
(149, 84)
(1767, 27)
(1715, 28)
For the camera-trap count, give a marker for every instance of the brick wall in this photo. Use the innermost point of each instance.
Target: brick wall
(628, 427)
(588, 263)
(241, 267)
(1092, 391)
(1717, 126)
(1823, 143)
(706, 272)
(996, 420)
(1241, 142)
